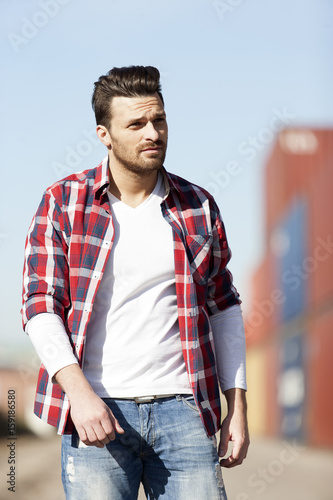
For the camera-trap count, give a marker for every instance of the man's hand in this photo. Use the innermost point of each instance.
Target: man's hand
(234, 428)
(94, 421)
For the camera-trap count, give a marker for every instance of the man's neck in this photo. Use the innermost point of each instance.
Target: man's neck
(129, 187)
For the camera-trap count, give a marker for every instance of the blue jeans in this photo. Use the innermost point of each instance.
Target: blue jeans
(164, 446)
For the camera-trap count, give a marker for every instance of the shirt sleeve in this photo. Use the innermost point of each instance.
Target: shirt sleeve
(46, 270)
(229, 340)
(221, 291)
(49, 337)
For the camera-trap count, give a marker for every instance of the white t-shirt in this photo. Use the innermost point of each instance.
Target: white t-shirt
(134, 316)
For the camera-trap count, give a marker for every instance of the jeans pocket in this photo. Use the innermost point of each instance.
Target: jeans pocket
(190, 402)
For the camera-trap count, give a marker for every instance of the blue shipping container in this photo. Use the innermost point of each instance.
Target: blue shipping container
(292, 387)
(293, 271)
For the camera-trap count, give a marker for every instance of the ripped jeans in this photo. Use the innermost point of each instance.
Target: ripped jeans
(165, 447)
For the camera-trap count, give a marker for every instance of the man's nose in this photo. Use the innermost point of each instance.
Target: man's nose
(151, 133)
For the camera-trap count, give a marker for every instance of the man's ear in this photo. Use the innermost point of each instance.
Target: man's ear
(103, 135)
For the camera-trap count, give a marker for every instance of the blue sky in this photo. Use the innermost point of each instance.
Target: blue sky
(230, 69)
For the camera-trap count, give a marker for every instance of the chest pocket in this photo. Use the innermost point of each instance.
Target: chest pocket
(198, 249)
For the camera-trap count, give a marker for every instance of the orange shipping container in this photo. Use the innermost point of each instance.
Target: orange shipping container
(272, 369)
(297, 159)
(265, 302)
(319, 264)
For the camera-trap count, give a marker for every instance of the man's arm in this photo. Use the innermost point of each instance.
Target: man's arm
(229, 340)
(46, 290)
(234, 428)
(93, 419)
(230, 347)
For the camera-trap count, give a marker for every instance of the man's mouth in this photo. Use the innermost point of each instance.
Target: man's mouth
(152, 148)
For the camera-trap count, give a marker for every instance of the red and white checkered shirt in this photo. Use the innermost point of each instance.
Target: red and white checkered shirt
(67, 246)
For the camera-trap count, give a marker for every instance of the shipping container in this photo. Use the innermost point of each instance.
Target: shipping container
(257, 390)
(320, 377)
(265, 302)
(273, 410)
(296, 160)
(290, 345)
(291, 248)
(292, 386)
(320, 259)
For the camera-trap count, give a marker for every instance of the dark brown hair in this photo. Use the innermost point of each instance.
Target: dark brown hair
(132, 81)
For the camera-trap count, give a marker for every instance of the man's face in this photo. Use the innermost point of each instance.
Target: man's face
(138, 133)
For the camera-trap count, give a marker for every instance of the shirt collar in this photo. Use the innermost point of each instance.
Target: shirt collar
(168, 182)
(102, 180)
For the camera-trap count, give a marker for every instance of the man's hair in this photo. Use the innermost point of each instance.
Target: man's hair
(132, 81)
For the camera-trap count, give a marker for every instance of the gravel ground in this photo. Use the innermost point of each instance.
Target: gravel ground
(273, 470)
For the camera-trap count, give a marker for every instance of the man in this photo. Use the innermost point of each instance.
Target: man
(131, 308)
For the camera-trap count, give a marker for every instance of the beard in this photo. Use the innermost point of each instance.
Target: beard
(136, 161)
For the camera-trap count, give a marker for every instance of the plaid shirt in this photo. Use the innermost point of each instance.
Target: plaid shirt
(67, 246)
